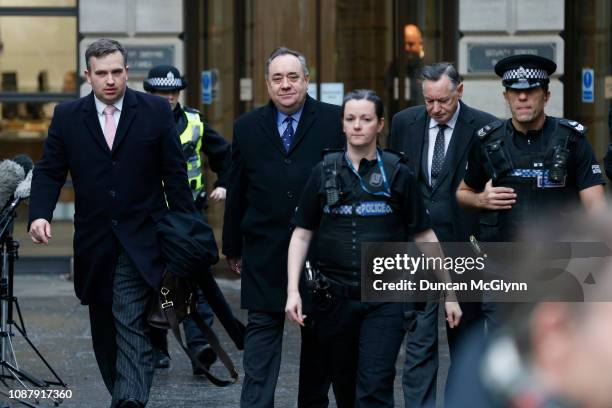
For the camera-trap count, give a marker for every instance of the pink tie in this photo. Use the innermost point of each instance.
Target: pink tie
(109, 125)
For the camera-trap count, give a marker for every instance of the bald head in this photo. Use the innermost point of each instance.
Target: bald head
(413, 40)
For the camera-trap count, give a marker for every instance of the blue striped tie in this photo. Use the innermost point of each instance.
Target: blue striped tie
(287, 136)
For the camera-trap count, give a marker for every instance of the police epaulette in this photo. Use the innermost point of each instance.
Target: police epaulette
(486, 130)
(191, 110)
(402, 157)
(575, 126)
(329, 150)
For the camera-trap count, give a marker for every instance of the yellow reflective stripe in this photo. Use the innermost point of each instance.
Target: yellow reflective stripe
(193, 133)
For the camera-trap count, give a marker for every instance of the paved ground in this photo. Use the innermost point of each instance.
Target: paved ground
(59, 326)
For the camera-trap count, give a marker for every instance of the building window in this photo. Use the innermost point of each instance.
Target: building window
(38, 64)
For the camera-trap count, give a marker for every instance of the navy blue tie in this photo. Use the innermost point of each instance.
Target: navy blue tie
(438, 155)
(287, 136)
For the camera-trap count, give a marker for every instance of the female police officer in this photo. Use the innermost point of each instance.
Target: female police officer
(359, 194)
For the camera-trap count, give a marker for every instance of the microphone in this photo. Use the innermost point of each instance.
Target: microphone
(22, 192)
(25, 162)
(11, 174)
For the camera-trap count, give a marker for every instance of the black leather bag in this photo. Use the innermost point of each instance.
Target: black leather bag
(176, 293)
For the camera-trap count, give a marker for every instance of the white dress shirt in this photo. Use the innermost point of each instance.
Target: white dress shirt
(433, 133)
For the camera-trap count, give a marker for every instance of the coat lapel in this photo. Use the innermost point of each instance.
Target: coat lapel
(92, 122)
(307, 118)
(268, 125)
(127, 116)
(418, 128)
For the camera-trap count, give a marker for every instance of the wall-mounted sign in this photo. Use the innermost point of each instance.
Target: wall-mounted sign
(481, 58)
(588, 85)
(207, 87)
(608, 86)
(141, 58)
(246, 89)
(331, 92)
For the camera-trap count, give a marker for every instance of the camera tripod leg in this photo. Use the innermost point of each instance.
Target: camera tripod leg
(43, 359)
(16, 375)
(20, 375)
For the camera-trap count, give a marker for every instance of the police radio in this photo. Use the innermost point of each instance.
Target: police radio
(332, 189)
(558, 169)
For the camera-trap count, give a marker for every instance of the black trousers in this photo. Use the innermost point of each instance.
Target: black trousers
(261, 359)
(358, 361)
(419, 378)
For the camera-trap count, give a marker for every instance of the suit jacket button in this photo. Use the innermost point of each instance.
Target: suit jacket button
(290, 194)
(114, 223)
(112, 193)
(287, 161)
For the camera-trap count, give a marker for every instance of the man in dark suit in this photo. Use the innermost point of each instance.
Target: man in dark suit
(274, 150)
(437, 138)
(125, 159)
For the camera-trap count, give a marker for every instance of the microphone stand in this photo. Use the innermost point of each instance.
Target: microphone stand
(9, 367)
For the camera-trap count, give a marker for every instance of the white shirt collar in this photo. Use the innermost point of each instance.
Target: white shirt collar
(451, 123)
(101, 105)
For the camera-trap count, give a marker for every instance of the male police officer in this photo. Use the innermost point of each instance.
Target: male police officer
(196, 137)
(530, 164)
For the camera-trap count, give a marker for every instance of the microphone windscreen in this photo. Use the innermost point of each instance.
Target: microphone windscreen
(25, 162)
(23, 189)
(11, 174)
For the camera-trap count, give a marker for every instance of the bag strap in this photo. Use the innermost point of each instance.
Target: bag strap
(212, 340)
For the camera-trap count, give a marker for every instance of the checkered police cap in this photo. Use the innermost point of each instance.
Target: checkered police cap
(164, 78)
(525, 71)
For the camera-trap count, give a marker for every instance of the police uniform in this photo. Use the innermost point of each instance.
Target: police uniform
(196, 137)
(377, 203)
(195, 134)
(547, 167)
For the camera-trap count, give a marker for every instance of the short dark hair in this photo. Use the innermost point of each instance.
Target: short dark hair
(285, 51)
(102, 47)
(368, 95)
(434, 73)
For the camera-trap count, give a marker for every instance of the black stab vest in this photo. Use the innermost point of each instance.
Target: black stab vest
(357, 217)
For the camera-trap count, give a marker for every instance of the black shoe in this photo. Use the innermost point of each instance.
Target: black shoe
(207, 357)
(130, 403)
(160, 360)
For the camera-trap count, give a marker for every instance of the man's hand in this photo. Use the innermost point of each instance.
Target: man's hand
(235, 264)
(218, 194)
(453, 313)
(293, 308)
(40, 231)
(496, 198)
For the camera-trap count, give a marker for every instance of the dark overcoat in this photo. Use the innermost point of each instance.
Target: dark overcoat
(264, 188)
(119, 194)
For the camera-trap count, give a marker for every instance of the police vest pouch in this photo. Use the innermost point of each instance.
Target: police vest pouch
(498, 159)
(175, 301)
(330, 177)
